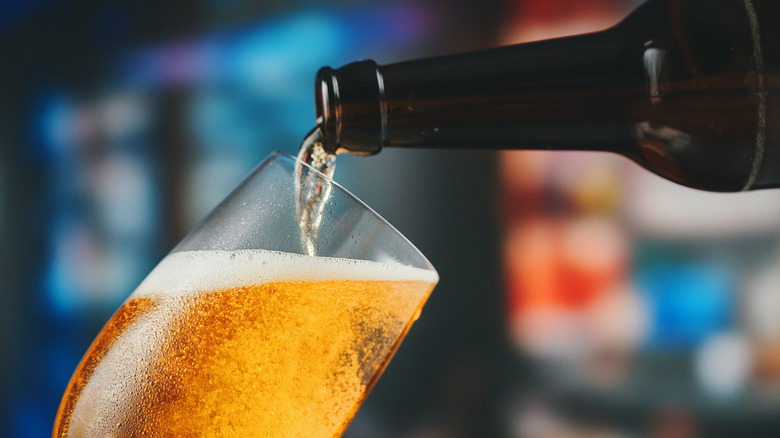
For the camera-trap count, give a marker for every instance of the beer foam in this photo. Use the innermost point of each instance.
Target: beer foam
(192, 271)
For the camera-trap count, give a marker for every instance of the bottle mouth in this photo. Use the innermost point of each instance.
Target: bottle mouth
(350, 108)
(327, 108)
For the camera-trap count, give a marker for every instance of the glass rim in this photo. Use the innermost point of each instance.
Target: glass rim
(281, 155)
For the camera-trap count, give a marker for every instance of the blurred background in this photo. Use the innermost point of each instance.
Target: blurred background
(580, 296)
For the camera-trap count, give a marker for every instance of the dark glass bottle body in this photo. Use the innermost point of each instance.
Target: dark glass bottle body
(686, 88)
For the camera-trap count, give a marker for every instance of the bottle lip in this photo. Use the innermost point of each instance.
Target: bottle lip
(326, 101)
(350, 108)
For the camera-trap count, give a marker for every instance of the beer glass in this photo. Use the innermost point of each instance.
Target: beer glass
(240, 332)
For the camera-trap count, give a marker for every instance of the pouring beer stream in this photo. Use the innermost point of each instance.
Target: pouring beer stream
(311, 191)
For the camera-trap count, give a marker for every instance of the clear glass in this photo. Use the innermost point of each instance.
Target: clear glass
(238, 332)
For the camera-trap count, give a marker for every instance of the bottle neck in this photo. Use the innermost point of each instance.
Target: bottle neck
(557, 94)
(686, 88)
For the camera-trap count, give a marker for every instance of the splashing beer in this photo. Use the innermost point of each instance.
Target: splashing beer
(243, 343)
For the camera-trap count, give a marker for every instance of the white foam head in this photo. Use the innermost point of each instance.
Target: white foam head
(192, 271)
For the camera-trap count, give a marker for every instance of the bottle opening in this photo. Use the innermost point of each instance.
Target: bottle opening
(350, 108)
(326, 107)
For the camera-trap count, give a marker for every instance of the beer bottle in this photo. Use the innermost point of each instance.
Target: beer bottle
(686, 88)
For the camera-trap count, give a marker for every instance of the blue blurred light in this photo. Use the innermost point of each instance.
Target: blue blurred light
(52, 126)
(223, 123)
(277, 59)
(61, 277)
(60, 351)
(280, 55)
(31, 418)
(688, 302)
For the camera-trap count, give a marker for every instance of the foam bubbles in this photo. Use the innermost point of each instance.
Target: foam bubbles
(191, 271)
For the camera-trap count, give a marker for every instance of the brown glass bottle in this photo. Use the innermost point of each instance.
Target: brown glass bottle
(686, 88)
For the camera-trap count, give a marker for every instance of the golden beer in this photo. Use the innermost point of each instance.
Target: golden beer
(248, 343)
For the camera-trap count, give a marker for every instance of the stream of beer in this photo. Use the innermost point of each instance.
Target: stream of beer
(311, 189)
